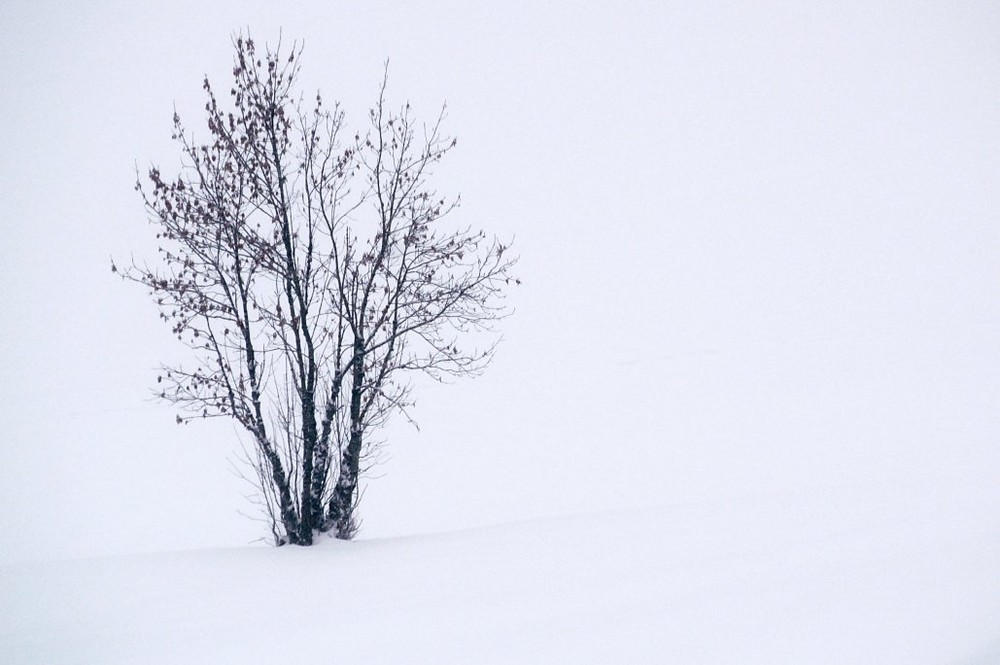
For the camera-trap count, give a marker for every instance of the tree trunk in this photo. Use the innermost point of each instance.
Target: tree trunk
(344, 495)
(288, 518)
(306, 523)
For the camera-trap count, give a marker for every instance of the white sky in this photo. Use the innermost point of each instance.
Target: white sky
(760, 250)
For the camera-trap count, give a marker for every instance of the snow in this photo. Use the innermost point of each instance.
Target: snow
(888, 575)
(759, 321)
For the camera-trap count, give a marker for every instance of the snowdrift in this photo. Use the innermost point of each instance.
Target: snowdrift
(875, 577)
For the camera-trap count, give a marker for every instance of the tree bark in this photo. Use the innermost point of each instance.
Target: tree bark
(342, 503)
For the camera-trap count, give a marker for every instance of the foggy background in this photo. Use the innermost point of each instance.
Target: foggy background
(759, 243)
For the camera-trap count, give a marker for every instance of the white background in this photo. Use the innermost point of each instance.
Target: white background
(760, 253)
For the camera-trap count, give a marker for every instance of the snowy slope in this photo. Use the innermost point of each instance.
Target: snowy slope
(907, 575)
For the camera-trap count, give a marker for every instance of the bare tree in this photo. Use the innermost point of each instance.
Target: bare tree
(312, 274)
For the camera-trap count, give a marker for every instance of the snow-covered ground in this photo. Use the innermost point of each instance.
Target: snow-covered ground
(901, 575)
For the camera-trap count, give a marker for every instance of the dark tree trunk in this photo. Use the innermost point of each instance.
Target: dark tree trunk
(345, 493)
(287, 509)
(322, 454)
(306, 522)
